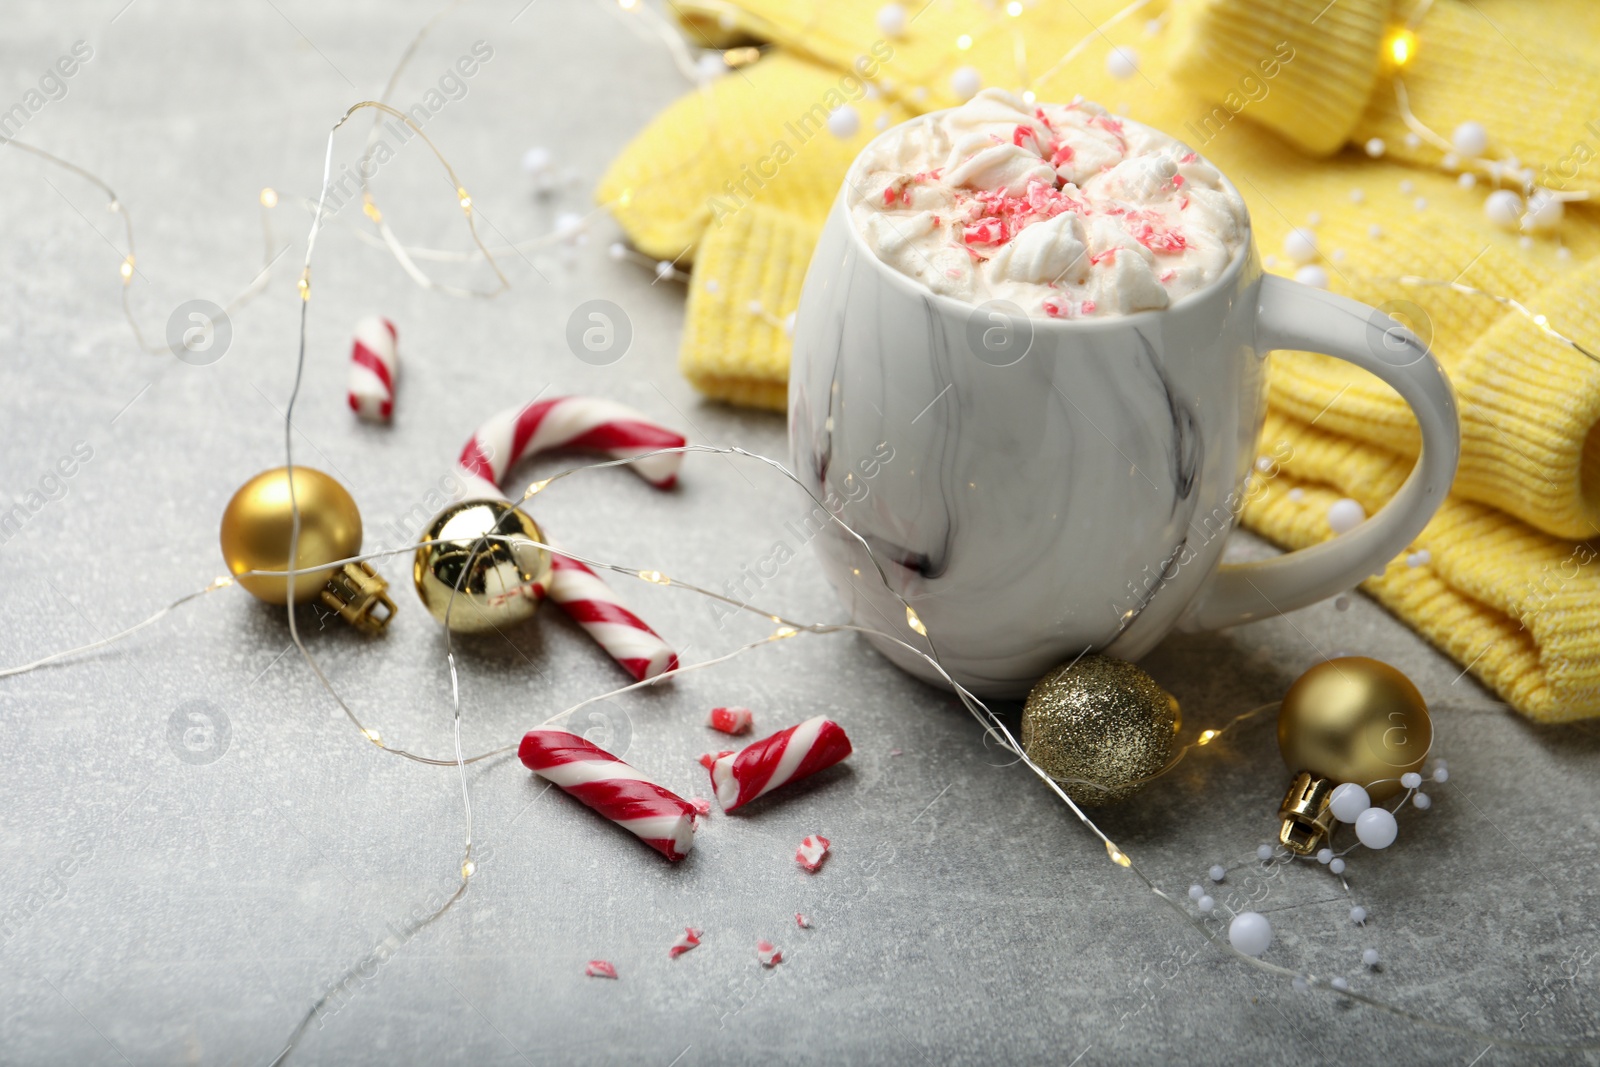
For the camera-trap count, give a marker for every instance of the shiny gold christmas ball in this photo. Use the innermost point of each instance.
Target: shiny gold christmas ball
(473, 585)
(1357, 720)
(258, 521)
(1099, 726)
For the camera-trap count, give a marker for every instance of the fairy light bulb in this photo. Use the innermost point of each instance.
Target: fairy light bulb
(304, 284)
(269, 197)
(1014, 9)
(915, 622)
(127, 268)
(1401, 47)
(1118, 857)
(964, 42)
(1207, 736)
(655, 576)
(369, 208)
(466, 201)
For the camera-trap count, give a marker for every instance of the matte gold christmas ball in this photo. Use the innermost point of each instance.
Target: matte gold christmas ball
(258, 521)
(1101, 721)
(1355, 719)
(474, 585)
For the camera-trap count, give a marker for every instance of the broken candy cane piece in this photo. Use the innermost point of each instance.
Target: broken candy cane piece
(801, 921)
(373, 368)
(786, 756)
(708, 758)
(812, 851)
(600, 969)
(701, 805)
(769, 955)
(731, 720)
(653, 813)
(690, 938)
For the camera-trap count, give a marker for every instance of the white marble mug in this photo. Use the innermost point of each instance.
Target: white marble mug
(1038, 488)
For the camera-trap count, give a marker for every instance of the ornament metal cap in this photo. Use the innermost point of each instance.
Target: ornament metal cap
(357, 593)
(1307, 820)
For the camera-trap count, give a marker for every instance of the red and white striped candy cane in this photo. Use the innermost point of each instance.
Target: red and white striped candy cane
(589, 423)
(593, 606)
(786, 756)
(374, 365)
(583, 422)
(653, 813)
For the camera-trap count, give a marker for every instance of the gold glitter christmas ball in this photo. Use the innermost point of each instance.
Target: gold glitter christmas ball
(473, 584)
(1098, 726)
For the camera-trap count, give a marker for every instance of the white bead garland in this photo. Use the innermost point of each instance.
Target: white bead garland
(1471, 139)
(1300, 245)
(1504, 208)
(1376, 828)
(1250, 933)
(1348, 802)
(892, 20)
(1345, 515)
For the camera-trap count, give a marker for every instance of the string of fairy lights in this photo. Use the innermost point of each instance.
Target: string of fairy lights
(993, 725)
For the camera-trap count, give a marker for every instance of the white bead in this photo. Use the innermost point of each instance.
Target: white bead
(844, 122)
(1407, 186)
(712, 285)
(1218, 872)
(1300, 246)
(1370, 957)
(881, 122)
(1341, 603)
(1312, 275)
(1358, 915)
(1524, 242)
(1263, 852)
(1122, 63)
(1441, 775)
(617, 250)
(1337, 255)
(1544, 211)
(1030, 97)
(1563, 252)
(1374, 231)
(1420, 203)
(1410, 780)
(1336, 866)
(1376, 147)
(663, 269)
(1340, 984)
(1422, 800)
(1297, 494)
(966, 82)
(1250, 933)
(536, 160)
(1324, 856)
(1376, 828)
(1413, 141)
(1450, 161)
(1314, 219)
(1195, 892)
(1269, 261)
(1356, 196)
(1205, 904)
(1345, 515)
(1420, 558)
(711, 66)
(892, 20)
(1348, 802)
(1471, 139)
(1467, 181)
(1504, 208)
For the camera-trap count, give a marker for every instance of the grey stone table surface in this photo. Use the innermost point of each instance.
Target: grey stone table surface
(172, 899)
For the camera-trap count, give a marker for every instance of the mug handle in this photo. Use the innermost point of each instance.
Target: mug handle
(1294, 316)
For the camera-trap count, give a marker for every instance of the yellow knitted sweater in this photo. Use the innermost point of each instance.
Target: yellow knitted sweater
(739, 176)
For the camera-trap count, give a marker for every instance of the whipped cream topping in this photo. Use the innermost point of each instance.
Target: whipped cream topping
(1062, 209)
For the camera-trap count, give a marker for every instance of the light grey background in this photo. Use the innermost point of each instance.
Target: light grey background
(964, 917)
